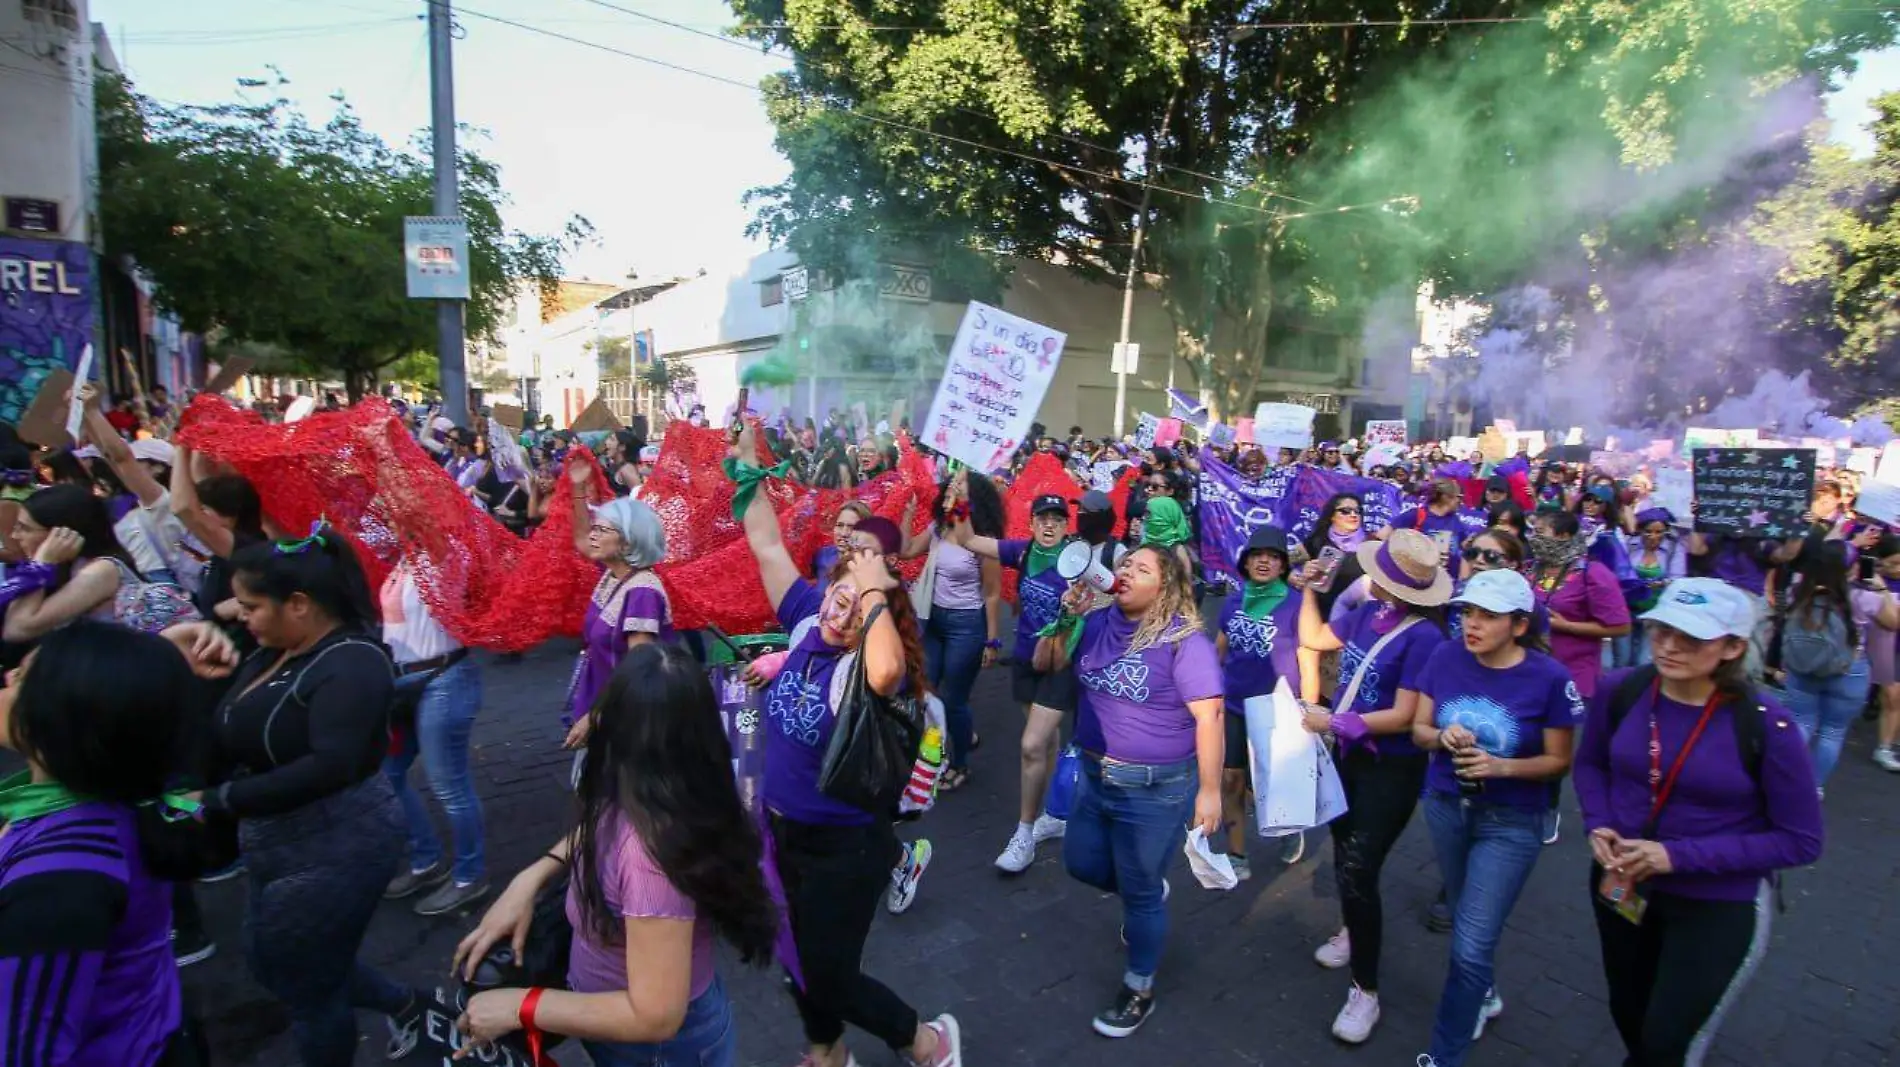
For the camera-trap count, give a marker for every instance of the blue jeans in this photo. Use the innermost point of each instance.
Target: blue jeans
(705, 1039)
(1824, 708)
(1629, 650)
(953, 653)
(1126, 826)
(1485, 852)
(444, 719)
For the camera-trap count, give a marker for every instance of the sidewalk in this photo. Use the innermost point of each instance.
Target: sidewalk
(1025, 962)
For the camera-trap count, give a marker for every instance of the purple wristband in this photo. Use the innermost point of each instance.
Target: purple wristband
(31, 575)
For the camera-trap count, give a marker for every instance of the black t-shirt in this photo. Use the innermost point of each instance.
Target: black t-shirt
(315, 726)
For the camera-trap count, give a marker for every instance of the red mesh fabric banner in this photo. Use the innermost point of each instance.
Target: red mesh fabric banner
(1042, 475)
(360, 470)
(710, 574)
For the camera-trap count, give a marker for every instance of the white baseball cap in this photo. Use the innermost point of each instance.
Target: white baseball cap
(153, 450)
(1501, 592)
(1705, 609)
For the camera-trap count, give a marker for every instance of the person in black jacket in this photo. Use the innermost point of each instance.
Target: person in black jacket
(299, 740)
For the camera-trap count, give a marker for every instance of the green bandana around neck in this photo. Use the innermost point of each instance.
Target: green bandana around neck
(1260, 599)
(1165, 525)
(23, 798)
(1039, 559)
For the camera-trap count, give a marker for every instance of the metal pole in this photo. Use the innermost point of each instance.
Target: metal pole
(449, 354)
(1134, 265)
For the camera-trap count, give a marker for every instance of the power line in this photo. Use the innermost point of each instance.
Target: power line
(260, 34)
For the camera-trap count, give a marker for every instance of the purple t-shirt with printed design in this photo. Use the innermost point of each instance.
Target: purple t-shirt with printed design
(1134, 708)
(1260, 652)
(1038, 599)
(799, 719)
(1400, 665)
(1508, 711)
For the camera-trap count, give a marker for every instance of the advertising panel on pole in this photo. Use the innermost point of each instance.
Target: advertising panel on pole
(999, 368)
(435, 255)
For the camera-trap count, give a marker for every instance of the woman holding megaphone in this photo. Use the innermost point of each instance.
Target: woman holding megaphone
(1046, 562)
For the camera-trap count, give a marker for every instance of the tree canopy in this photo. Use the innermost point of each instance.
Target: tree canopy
(1293, 162)
(253, 220)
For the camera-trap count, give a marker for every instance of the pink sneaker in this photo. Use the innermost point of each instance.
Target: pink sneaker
(949, 1043)
(1355, 1021)
(1335, 953)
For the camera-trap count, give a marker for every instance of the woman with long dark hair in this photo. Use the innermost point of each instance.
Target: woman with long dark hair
(1658, 557)
(1696, 790)
(963, 630)
(1385, 644)
(664, 858)
(835, 860)
(1497, 713)
(86, 965)
(298, 743)
(1149, 727)
(1821, 651)
(67, 531)
(1341, 527)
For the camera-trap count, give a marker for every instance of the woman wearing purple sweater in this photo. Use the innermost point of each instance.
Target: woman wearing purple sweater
(1691, 811)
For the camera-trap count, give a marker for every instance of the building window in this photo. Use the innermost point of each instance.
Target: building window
(57, 13)
(772, 293)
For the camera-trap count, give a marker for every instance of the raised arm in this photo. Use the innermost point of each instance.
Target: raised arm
(118, 454)
(580, 479)
(216, 538)
(776, 568)
(1314, 632)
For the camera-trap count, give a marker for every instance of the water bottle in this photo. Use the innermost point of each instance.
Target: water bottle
(1470, 788)
(921, 790)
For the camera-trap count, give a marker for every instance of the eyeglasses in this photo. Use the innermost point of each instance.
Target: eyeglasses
(1490, 557)
(1345, 511)
(603, 530)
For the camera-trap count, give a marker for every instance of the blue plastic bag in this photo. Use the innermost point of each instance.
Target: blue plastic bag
(1062, 784)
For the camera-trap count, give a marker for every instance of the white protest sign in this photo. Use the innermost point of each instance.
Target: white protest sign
(76, 409)
(1146, 426)
(1283, 426)
(999, 368)
(1889, 470)
(1382, 455)
(1385, 432)
(1675, 490)
(1507, 427)
(1461, 446)
(1864, 461)
(1879, 501)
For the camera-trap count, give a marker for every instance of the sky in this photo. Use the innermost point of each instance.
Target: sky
(658, 159)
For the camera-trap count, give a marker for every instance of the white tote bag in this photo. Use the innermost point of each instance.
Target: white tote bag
(1281, 755)
(925, 586)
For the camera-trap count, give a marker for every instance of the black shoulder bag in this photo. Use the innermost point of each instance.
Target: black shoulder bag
(874, 742)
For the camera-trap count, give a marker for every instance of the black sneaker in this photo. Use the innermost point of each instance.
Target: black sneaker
(1438, 916)
(409, 883)
(192, 946)
(451, 897)
(1126, 1015)
(405, 1027)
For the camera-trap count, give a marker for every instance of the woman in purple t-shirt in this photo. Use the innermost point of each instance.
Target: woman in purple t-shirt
(629, 605)
(1497, 713)
(664, 857)
(1258, 641)
(1386, 643)
(1149, 727)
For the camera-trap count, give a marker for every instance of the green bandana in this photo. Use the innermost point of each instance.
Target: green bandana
(1259, 599)
(1039, 559)
(746, 478)
(23, 798)
(1166, 525)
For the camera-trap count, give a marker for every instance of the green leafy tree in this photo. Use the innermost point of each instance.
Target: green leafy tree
(1291, 161)
(253, 219)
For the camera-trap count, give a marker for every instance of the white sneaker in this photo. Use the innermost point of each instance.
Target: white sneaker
(1425, 1060)
(1493, 1007)
(1553, 824)
(1336, 952)
(1048, 828)
(1018, 854)
(904, 880)
(1355, 1021)
(1888, 759)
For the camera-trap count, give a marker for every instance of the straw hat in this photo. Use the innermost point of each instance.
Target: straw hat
(1406, 565)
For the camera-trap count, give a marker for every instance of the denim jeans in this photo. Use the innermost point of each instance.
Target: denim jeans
(1125, 827)
(1824, 708)
(1485, 852)
(444, 719)
(317, 874)
(953, 653)
(705, 1039)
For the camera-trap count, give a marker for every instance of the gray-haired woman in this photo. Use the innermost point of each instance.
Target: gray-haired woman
(629, 605)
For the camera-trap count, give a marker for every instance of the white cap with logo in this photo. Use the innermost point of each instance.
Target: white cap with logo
(1501, 592)
(1705, 609)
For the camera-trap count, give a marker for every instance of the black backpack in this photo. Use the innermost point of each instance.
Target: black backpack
(1751, 729)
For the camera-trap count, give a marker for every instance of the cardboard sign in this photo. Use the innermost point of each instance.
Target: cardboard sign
(1507, 427)
(1493, 446)
(597, 417)
(44, 422)
(228, 374)
(1753, 492)
(1000, 367)
(1385, 432)
(1147, 427)
(1243, 431)
(1879, 501)
(1283, 426)
(508, 415)
(1167, 433)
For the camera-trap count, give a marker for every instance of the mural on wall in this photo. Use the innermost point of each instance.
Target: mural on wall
(45, 315)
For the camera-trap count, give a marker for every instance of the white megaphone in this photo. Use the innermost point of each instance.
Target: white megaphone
(1080, 561)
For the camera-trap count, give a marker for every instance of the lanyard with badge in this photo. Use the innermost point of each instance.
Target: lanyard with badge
(1630, 899)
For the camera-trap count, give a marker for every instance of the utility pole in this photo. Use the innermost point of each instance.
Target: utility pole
(449, 353)
(1134, 265)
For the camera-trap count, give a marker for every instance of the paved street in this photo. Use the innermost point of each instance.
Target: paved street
(1024, 962)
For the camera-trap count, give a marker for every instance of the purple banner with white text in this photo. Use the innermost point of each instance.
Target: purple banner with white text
(45, 315)
(1232, 506)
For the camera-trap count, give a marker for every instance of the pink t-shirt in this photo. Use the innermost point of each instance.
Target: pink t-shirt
(1589, 593)
(636, 889)
(1875, 638)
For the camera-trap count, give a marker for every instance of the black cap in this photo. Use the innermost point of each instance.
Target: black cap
(1266, 539)
(1096, 500)
(1050, 504)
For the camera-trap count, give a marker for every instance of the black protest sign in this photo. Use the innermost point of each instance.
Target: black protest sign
(439, 1041)
(1753, 492)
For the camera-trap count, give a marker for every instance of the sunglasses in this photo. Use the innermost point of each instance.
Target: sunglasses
(1490, 557)
(1345, 511)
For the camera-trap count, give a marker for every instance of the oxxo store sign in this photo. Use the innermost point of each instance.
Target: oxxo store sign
(1321, 403)
(909, 284)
